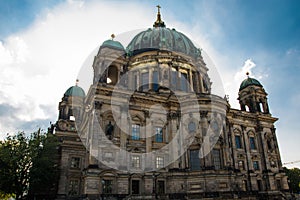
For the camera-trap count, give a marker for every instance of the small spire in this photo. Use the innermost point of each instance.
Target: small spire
(247, 73)
(112, 36)
(158, 22)
(77, 81)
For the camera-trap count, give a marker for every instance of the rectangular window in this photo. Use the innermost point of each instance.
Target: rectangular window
(135, 187)
(155, 83)
(184, 81)
(217, 159)
(74, 187)
(238, 142)
(252, 143)
(160, 187)
(75, 162)
(255, 165)
(135, 132)
(278, 183)
(145, 81)
(194, 160)
(158, 134)
(107, 186)
(159, 162)
(259, 185)
(135, 161)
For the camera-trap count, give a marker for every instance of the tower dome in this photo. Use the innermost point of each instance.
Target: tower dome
(75, 91)
(111, 43)
(253, 99)
(249, 81)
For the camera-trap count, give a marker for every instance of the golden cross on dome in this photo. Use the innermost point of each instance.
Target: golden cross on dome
(158, 22)
(77, 81)
(247, 73)
(158, 8)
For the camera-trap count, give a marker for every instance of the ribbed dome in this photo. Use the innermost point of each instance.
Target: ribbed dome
(249, 81)
(162, 38)
(113, 44)
(75, 91)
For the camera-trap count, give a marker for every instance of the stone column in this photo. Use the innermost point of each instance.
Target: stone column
(93, 139)
(191, 81)
(234, 149)
(124, 129)
(148, 135)
(247, 149)
(174, 150)
(206, 141)
(150, 78)
(201, 84)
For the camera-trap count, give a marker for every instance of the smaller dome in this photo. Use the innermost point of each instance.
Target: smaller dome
(113, 44)
(75, 91)
(249, 81)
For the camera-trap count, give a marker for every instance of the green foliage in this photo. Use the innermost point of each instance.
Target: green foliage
(294, 179)
(26, 161)
(44, 172)
(6, 196)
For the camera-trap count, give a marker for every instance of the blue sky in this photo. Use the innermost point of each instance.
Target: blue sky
(264, 33)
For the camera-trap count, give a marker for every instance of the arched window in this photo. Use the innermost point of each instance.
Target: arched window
(112, 75)
(247, 108)
(261, 107)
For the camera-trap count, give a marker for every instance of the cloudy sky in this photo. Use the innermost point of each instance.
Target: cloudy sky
(43, 45)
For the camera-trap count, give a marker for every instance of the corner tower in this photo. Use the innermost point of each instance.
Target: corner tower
(252, 96)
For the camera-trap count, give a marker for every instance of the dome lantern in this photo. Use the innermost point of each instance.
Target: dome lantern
(158, 22)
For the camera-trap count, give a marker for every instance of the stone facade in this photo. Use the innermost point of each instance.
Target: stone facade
(149, 127)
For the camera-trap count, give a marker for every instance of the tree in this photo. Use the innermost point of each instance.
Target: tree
(23, 159)
(44, 173)
(294, 179)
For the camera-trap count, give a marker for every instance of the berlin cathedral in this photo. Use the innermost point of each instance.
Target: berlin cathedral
(149, 127)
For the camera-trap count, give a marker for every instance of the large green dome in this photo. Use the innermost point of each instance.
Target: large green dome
(113, 44)
(249, 81)
(162, 38)
(75, 91)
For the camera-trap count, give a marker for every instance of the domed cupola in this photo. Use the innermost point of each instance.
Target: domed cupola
(160, 37)
(249, 81)
(75, 91)
(113, 44)
(252, 96)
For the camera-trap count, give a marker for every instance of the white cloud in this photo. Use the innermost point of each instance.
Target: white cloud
(247, 68)
(38, 64)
